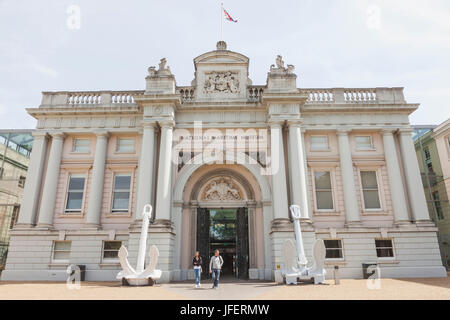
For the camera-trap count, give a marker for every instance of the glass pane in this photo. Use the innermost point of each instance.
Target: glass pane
(385, 253)
(363, 142)
(81, 145)
(62, 245)
(324, 200)
(319, 143)
(61, 255)
(332, 244)
(371, 199)
(122, 182)
(113, 245)
(322, 180)
(383, 243)
(74, 200)
(121, 200)
(125, 145)
(369, 180)
(76, 183)
(333, 254)
(111, 254)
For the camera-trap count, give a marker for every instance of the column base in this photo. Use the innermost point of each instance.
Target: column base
(403, 224)
(44, 227)
(353, 224)
(91, 227)
(281, 224)
(425, 223)
(24, 226)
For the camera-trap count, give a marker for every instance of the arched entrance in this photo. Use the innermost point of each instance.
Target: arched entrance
(224, 206)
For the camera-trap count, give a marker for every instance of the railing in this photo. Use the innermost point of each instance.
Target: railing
(254, 93)
(187, 93)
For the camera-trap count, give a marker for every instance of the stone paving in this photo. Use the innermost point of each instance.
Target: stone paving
(391, 289)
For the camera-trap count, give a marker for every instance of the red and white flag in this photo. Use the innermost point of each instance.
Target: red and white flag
(227, 16)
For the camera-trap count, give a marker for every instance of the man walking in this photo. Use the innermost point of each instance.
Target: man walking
(215, 265)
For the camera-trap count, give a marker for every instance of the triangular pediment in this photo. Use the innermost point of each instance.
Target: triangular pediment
(219, 57)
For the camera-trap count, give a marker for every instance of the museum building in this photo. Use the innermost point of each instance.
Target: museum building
(221, 161)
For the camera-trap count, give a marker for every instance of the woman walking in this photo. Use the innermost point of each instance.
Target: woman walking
(197, 262)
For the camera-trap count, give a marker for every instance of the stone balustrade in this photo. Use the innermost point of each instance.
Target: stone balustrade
(315, 96)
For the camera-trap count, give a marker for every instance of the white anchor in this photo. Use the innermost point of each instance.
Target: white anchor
(296, 262)
(140, 277)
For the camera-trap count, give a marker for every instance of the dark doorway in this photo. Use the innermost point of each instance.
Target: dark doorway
(227, 231)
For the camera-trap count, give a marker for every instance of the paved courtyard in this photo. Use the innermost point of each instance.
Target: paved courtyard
(436, 288)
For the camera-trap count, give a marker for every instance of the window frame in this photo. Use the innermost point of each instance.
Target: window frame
(378, 171)
(113, 260)
(118, 139)
(392, 247)
(121, 169)
(54, 250)
(363, 202)
(439, 216)
(333, 189)
(67, 190)
(311, 149)
(81, 152)
(121, 211)
(341, 249)
(371, 148)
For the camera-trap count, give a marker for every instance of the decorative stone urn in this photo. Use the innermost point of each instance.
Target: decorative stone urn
(139, 276)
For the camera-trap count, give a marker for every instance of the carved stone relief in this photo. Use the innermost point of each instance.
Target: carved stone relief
(222, 189)
(222, 82)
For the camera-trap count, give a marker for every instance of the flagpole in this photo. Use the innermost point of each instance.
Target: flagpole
(221, 22)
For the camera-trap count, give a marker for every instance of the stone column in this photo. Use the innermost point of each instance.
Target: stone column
(395, 179)
(29, 206)
(98, 174)
(146, 164)
(418, 202)
(298, 170)
(164, 185)
(348, 180)
(279, 188)
(47, 208)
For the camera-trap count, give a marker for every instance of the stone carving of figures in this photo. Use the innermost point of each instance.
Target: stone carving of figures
(280, 62)
(222, 190)
(222, 82)
(162, 64)
(210, 85)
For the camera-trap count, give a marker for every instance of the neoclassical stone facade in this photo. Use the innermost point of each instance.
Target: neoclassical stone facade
(221, 161)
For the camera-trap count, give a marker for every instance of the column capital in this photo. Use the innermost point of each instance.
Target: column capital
(58, 135)
(343, 131)
(387, 131)
(405, 131)
(149, 124)
(102, 133)
(169, 123)
(40, 134)
(276, 123)
(294, 123)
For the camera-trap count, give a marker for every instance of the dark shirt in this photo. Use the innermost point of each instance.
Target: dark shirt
(197, 262)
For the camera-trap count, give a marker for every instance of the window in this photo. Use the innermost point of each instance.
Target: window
(324, 193)
(428, 161)
(81, 145)
(370, 190)
(21, 182)
(319, 143)
(333, 249)
(121, 196)
(437, 205)
(363, 143)
(61, 250)
(75, 193)
(384, 248)
(125, 145)
(111, 250)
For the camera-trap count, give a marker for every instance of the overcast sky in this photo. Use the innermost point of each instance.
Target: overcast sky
(332, 43)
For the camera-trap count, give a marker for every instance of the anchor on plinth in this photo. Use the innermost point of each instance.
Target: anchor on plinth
(295, 259)
(139, 276)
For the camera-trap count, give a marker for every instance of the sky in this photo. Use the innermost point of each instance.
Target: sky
(59, 45)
